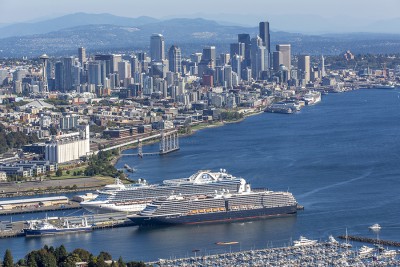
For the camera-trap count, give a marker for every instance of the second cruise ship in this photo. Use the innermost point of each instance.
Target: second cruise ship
(133, 198)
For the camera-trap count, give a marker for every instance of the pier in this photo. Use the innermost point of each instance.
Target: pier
(169, 143)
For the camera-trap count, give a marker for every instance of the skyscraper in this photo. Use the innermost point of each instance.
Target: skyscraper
(236, 62)
(277, 60)
(304, 67)
(258, 57)
(59, 76)
(82, 55)
(175, 59)
(323, 72)
(157, 47)
(286, 56)
(266, 38)
(68, 63)
(94, 73)
(124, 70)
(237, 49)
(209, 55)
(245, 39)
(265, 35)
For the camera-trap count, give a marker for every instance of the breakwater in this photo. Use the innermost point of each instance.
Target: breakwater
(370, 240)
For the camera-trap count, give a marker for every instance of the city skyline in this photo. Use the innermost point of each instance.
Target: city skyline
(329, 12)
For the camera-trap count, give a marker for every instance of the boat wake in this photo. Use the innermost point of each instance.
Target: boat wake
(363, 176)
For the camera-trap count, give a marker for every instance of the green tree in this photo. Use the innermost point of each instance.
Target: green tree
(105, 256)
(60, 253)
(59, 173)
(121, 263)
(8, 259)
(84, 255)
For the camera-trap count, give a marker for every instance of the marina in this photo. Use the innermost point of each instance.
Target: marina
(317, 254)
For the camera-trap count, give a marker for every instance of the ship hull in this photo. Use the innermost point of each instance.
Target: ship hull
(47, 232)
(216, 217)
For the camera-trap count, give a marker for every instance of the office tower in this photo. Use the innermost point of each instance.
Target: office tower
(265, 35)
(157, 47)
(258, 57)
(175, 59)
(108, 60)
(286, 56)
(245, 39)
(304, 67)
(323, 73)
(209, 55)
(196, 57)
(224, 59)
(124, 70)
(237, 49)
(136, 67)
(59, 76)
(82, 55)
(116, 59)
(277, 60)
(94, 73)
(68, 63)
(236, 62)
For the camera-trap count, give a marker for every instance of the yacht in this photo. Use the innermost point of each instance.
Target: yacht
(375, 227)
(365, 251)
(304, 242)
(332, 241)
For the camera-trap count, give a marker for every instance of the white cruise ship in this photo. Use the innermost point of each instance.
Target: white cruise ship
(312, 97)
(133, 198)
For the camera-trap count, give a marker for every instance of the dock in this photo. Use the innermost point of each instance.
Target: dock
(99, 221)
(370, 240)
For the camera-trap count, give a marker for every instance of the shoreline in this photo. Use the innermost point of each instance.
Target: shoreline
(115, 160)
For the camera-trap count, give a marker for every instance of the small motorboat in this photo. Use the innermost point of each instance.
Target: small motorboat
(375, 227)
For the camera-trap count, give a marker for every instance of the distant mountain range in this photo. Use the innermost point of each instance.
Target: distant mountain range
(69, 21)
(109, 33)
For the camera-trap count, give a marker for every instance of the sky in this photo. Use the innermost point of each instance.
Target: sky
(12, 11)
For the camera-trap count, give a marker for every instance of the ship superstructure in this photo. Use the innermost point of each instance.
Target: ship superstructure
(134, 197)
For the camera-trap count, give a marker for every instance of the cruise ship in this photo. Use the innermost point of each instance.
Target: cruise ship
(133, 198)
(246, 204)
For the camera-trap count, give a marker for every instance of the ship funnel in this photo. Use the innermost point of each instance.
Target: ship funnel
(248, 189)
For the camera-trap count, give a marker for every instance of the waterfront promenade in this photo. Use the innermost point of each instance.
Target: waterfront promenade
(321, 254)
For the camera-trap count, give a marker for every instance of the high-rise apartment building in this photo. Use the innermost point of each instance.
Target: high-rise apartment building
(157, 47)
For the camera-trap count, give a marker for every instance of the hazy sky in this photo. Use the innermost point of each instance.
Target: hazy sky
(25, 10)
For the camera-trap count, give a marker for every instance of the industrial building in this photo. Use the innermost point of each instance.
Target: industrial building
(67, 147)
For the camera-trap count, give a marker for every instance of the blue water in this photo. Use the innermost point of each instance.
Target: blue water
(339, 158)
